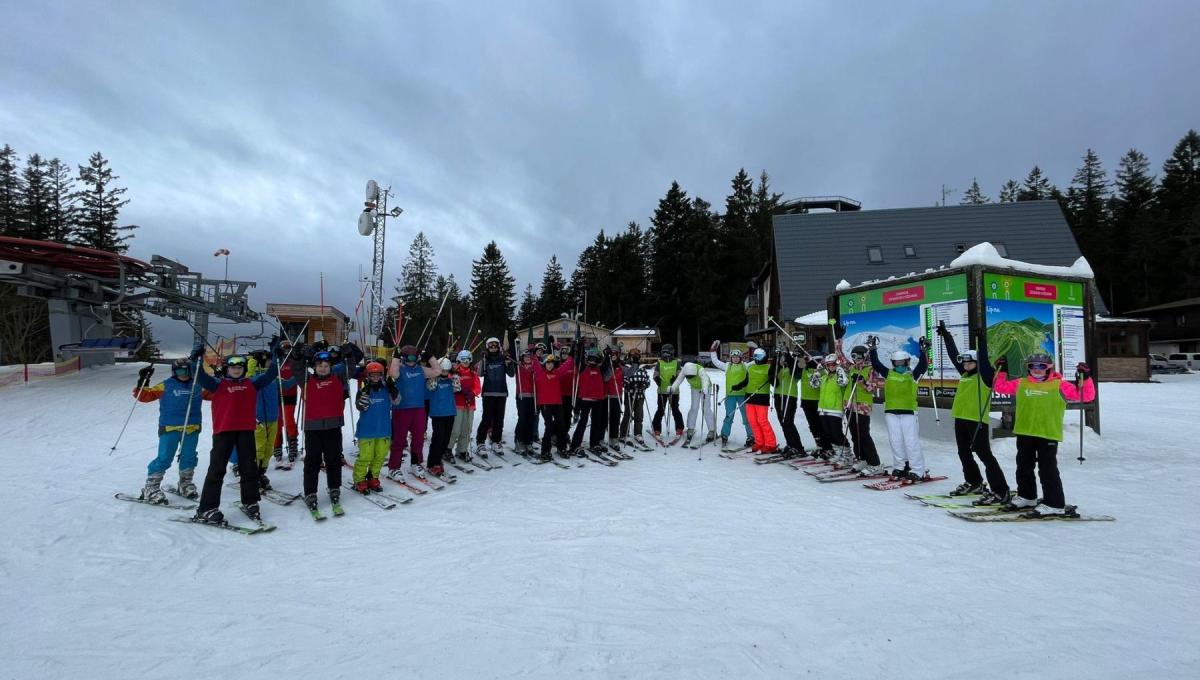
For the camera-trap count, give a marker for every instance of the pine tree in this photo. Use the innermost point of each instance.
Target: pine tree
(765, 203)
(12, 193)
(35, 207)
(492, 291)
(61, 212)
(1134, 232)
(668, 262)
(100, 205)
(528, 311)
(1179, 200)
(1087, 203)
(1036, 187)
(974, 195)
(417, 286)
(554, 299)
(1009, 191)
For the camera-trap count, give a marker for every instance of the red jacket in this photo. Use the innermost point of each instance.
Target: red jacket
(233, 406)
(323, 399)
(566, 377)
(591, 384)
(616, 384)
(547, 384)
(525, 379)
(285, 373)
(468, 381)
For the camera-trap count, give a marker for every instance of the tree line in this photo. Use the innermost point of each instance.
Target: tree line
(51, 200)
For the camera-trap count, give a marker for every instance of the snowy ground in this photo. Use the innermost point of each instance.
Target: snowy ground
(664, 567)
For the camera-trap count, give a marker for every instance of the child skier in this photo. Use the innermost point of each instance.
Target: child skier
(549, 401)
(614, 388)
(442, 412)
(567, 367)
(665, 371)
(408, 413)
(464, 405)
(830, 382)
(701, 400)
(1041, 403)
(324, 394)
(636, 380)
(233, 405)
(495, 367)
(809, 398)
(759, 376)
(592, 404)
(900, 408)
(287, 424)
(179, 421)
(972, 404)
(526, 433)
(859, 401)
(266, 414)
(735, 397)
(787, 394)
(374, 427)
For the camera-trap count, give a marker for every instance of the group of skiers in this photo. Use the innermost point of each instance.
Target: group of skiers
(288, 387)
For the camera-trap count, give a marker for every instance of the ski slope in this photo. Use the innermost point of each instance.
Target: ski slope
(667, 566)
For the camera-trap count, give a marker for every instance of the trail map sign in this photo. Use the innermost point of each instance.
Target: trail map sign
(1025, 315)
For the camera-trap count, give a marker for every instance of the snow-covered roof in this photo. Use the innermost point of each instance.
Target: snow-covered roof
(817, 318)
(986, 254)
(1116, 319)
(635, 332)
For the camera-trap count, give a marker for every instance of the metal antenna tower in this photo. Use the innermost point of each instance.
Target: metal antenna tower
(374, 220)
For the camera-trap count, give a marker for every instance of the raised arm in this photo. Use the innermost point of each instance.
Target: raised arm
(263, 379)
(922, 360)
(986, 372)
(1002, 384)
(950, 346)
(1072, 392)
(876, 364)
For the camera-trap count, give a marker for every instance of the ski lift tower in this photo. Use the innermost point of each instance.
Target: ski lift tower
(373, 221)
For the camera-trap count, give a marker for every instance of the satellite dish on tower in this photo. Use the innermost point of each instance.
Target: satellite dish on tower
(372, 191)
(366, 222)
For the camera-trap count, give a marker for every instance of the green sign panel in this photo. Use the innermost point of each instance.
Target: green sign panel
(1027, 289)
(929, 291)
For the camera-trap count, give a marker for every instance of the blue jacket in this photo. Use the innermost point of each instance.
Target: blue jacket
(441, 399)
(376, 421)
(411, 384)
(173, 403)
(492, 371)
(267, 410)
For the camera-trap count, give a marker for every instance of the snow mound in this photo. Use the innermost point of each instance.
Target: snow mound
(986, 254)
(818, 318)
(842, 285)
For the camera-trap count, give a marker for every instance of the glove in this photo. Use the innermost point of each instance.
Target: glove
(1081, 371)
(923, 343)
(941, 329)
(857, 377)
(872, 342)
(197, 352)
(363, 402)
(144, 376)
(219, 371)
(716, 345)
(1002, 364)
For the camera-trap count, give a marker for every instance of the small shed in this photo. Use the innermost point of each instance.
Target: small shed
(641, 339)
(318, 322)
(1122, 349)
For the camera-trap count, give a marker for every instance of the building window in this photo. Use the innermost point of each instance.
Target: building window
(1180, 320)
(960, 248)
(875, 254)
(1001, 248)
(910, 251)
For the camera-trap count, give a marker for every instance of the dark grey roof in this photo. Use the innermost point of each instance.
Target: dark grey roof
(1188, 302)
(815, 251)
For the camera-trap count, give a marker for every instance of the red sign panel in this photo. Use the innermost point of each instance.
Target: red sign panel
(914, 294)
(1041, 291)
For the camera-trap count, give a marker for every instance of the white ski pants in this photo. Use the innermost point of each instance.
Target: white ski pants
(701, 398)
(905, 440)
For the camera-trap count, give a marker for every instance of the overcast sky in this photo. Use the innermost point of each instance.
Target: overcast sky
(254, 126)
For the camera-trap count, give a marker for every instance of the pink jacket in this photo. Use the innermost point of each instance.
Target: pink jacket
(1002, 384)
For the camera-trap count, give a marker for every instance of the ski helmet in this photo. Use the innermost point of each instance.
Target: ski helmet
(493, 340)
(593, 356)
(410, 353)
(235, 360)
(668, 350)
(540, 347)
(374, 368)
(1039, 358)
(322, 356)
(859, 352)
(689, 369)
(181, 365)
(830, 358)
(901, 358)
(759, 355)
(550, 360)
(447, 364)
(464, 357)
(735, 355)
(968, 355)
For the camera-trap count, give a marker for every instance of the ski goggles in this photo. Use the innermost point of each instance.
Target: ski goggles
(411, 358)
(182, 370)
(1039, 366)
(858, 356)
(235, 361)
(964, 358)
(323, 356)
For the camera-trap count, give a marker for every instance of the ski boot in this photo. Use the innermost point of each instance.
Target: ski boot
(564, 454)
(859, 465)
(152, 491)
(874, 471)
(416, 469)
(1043, 511)
(1018, 503)
(293, 449)
(264, 484)
(913, 478)
(437, 470)
(992, 498)
(678, 434)
(187, 488)
(234, 469)
(482, 449)
(278, 454)
(641, 442)
(214, 516)
(335, 500)
(581, 452)
(750, 442)
(710, 438)
(688, 437)
(253, 512)
(545, 457)
(362, 487)
(374, 485)
(614, 445)
(968, 489)
(310, 501)
(396, 475)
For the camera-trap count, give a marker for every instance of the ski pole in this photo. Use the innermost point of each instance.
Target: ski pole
(136, 400)
(1079, 391)
(789, 338)
(941, 380)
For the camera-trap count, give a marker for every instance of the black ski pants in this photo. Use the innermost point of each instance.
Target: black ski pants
(663, 399)
(785, 410)
(492, 419)
(439, 441)
(322, 446)
(832, 427)
(815, 428)
(614, 417)
(635, 408)
(526, 432)
(596, 412)
(1043, 454)
(860, 435)
(556, 428)
(223, 444)
(975, 436)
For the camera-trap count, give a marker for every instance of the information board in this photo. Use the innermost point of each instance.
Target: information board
(1025, 315)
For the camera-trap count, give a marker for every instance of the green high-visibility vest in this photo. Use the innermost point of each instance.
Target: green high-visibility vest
(760, 382)
(785, 383)
(735, 374)
(807, 391)
(831, 394)
(694, 381)
(857, 393)
(972, 399)
(1040, 409)
(667, 371)
(900, 392)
